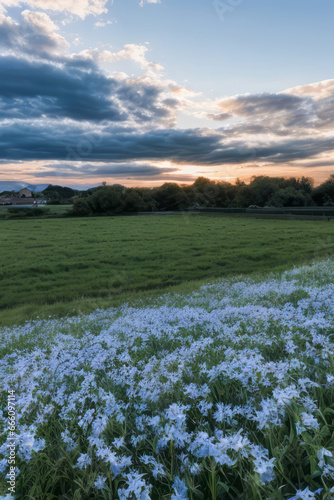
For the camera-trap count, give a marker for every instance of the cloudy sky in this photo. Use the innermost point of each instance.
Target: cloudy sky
(140, 92)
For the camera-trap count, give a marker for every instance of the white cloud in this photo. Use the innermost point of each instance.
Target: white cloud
(41, 24)
(318, 90)
(35, 35)
(81, 8)
(142, 2)
(101, 24)
(132, 52)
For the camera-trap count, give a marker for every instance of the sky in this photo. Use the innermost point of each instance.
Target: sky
(142, 92)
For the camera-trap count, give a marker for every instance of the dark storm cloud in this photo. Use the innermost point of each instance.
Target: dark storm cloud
(252, 106)
(220, 116)
(8, 33)
(325, 112)
(58, 84)
(279, 114)
(121, 170)
(30, 89)
(131, 170)
(142, 101)
(21, 141)
(55, 141)
(276, 152)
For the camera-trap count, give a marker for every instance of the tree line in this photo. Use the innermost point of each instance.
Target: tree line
(261, 191)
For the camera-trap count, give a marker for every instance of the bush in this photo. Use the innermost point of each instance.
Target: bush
(323, 195)
(171, 196)
(290, 197)
(26, 212)
(80, 207)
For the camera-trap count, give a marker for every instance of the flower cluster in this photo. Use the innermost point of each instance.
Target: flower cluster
(154, 400)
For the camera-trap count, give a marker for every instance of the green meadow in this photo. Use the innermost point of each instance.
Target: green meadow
(65, 266)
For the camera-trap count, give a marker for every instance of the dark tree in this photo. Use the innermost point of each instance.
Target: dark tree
(170, 196)
(323, 195)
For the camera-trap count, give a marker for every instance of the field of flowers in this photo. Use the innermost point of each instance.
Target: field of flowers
(224, 393)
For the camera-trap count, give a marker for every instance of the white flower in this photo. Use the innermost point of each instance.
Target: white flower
(224, 413)
(28, 443)
(180, 490)
(83, 461)
(321, 454)
(290, 347)
(71, 444)
(310, 421)
(177, 413)
(136, 486)
(118, 442)
(306, 494)
(265, 469)
(299, 428)
(204, 407)
(99, 483)
(3, 465)
(328, 471)
(99, 425)
(195, 469)
(86, 419)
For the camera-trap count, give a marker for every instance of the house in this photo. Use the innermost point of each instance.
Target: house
(25, 193)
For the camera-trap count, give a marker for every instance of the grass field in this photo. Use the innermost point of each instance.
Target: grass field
(55, 266)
